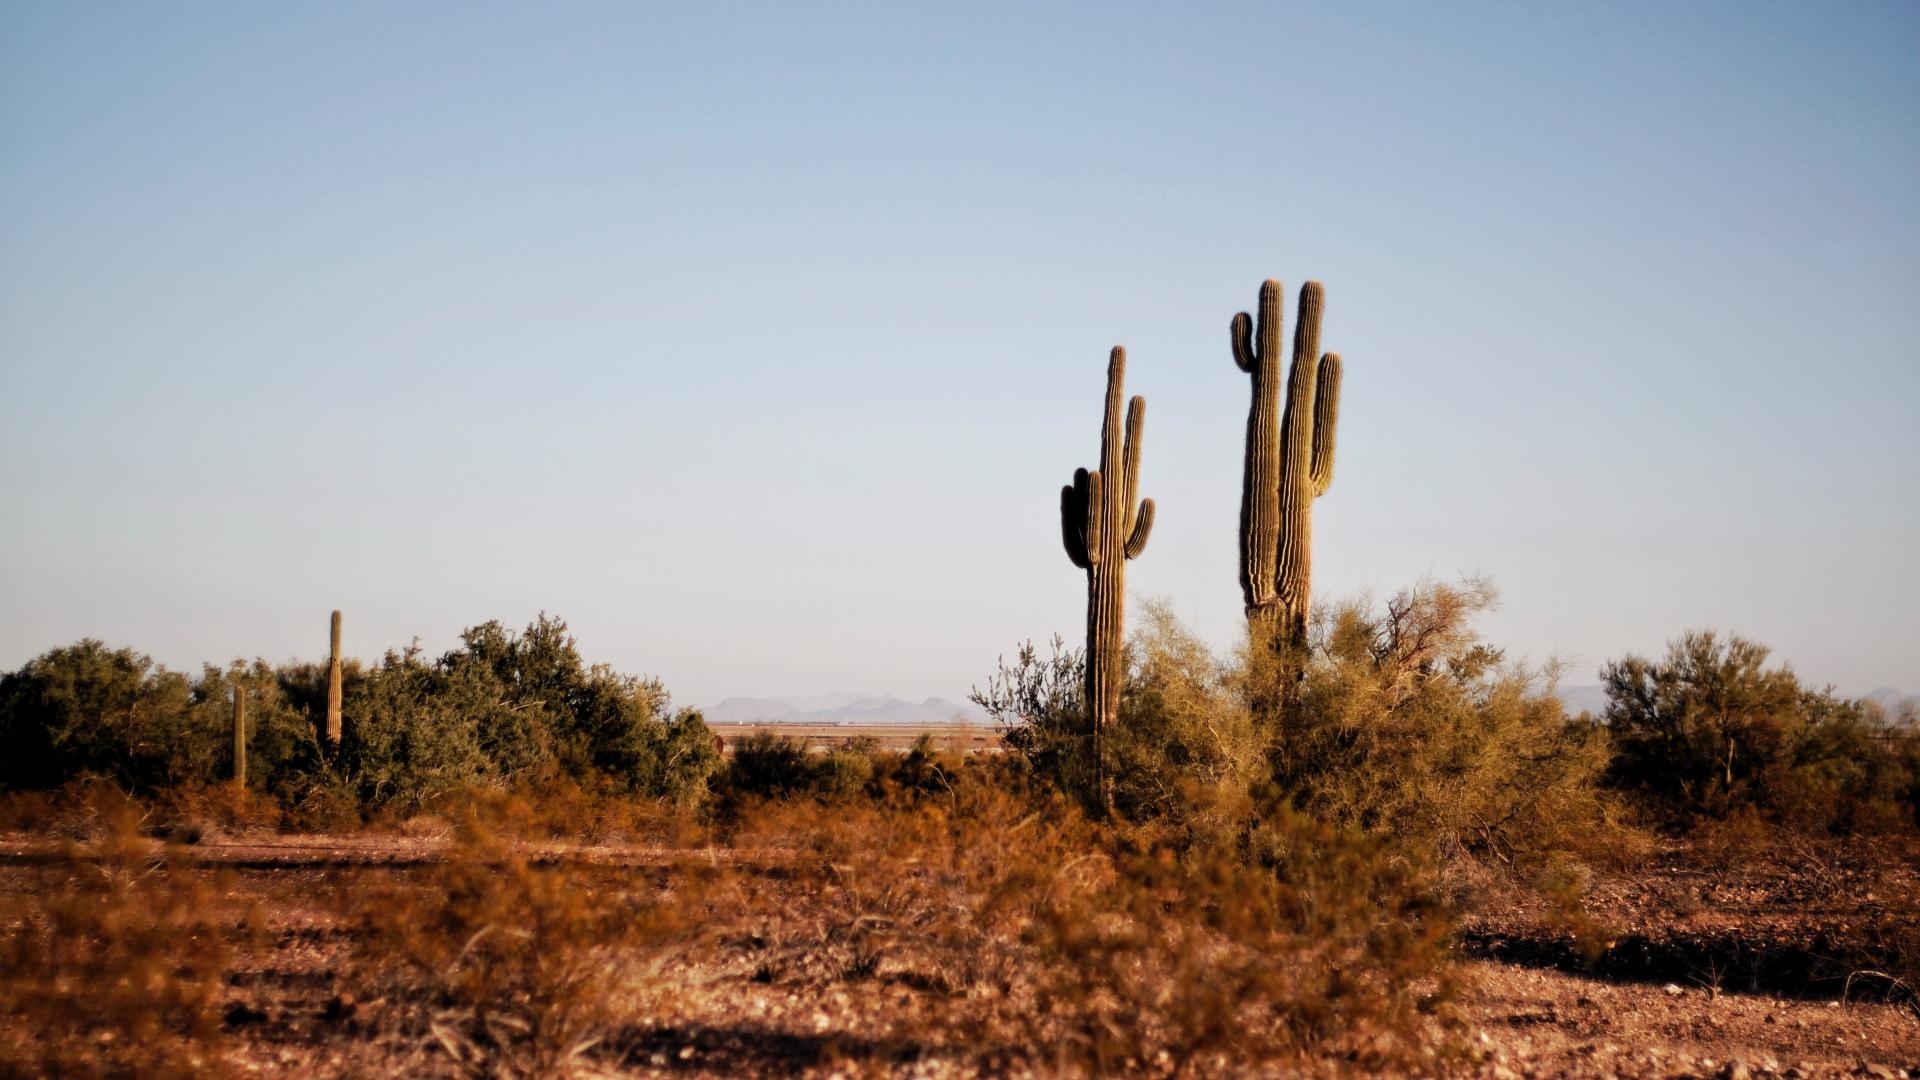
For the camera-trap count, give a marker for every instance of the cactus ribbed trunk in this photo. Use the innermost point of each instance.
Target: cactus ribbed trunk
(1102, 529)
(239, 735)
(333, 687)
(1289, 463)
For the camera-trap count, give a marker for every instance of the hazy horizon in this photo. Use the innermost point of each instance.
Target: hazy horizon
(757, 342)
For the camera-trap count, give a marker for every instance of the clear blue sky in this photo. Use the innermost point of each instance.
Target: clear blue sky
(757, 340)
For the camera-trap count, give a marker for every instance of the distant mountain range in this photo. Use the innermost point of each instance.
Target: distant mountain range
(842, 708)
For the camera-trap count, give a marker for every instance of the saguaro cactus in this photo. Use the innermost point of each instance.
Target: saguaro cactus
(239, 735)
(1102, 529)
(333, 686)
(1289, 463)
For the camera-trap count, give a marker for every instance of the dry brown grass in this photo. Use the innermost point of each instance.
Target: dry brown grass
(115, 960)
(1086, 949)
(512, 967)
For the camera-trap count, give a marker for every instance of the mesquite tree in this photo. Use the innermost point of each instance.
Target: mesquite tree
(1289, 464)
(1103, 528)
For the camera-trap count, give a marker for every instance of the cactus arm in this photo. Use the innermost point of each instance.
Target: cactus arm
(1073, 520)
(1326, 420)
(1096, 511)
(1242, 333)
(1136, 417)
(1142, 525)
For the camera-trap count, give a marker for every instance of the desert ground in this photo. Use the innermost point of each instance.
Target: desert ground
(1699, 972)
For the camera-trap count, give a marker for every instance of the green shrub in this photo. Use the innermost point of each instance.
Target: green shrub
(85, 709)
(502, 709)
(1709, 730)
(768, 766)
(415, 730)
(846, 770)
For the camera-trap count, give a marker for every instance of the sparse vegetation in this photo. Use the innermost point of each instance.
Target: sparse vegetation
(1276, 891)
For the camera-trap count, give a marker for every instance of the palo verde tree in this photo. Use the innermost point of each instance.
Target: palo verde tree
(1103, 527)
(1289, 463)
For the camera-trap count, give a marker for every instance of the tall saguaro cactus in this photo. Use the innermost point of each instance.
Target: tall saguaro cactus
(1289, 462)
(333, 686)
(1103, 528)
(239, 735)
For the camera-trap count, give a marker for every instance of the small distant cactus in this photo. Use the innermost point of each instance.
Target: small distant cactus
(239, 735)
(1289, 463)
(1103, 529)
(333, 687)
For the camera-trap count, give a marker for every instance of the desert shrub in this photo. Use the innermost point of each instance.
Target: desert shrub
(1184, 743)
(114, 962)
(1400, 721)
(1186, 747)
(591, 720)
(1040, 708)
(767, 766)
(1166, 957)
(508, 966)
(1101, 949)
(1710, 730)
(845, 770)
(416, 729)
(1404, 723)
(503, 707)
(557, 809)
(85, 709)
(926, 770)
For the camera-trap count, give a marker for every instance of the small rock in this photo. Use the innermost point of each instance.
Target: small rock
(1673, 990)
(1735, 1070)
(686, 1053)
(1879, 1071)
